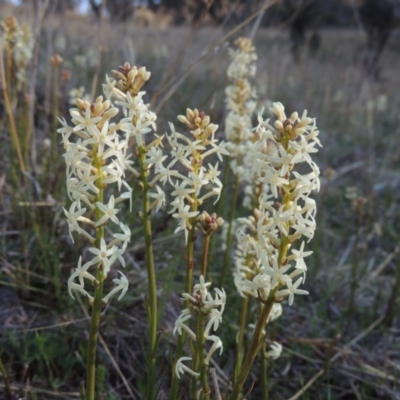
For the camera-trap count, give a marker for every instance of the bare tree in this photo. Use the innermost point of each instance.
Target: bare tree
(378, 18)
(118, 10)
(299, 16)
(304, 18)
(96, 7)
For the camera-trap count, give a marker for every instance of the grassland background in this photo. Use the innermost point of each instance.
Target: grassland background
(43, 331)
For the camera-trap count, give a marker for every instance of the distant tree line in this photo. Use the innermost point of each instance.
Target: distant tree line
(324, 13)
(302, 18)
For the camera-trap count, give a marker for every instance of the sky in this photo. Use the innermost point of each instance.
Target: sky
(83, 4)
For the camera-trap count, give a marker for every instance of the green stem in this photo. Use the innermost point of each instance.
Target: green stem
(229, 237)
(199, 352)
(173, 395)
(93, 334)
(195, 367)
(256, 340)
(253, 349)
(204, 261)
(283, 250)
(151, 276)
(98, 294)
(240, 338)
(200, 357)
(264, 375)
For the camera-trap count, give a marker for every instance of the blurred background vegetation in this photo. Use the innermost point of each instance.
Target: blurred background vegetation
(338, 59)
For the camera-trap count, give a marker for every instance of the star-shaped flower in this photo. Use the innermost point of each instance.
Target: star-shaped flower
(109, 212)
(102, 255)
(292, 289)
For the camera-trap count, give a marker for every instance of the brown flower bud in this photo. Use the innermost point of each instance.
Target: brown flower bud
(56, 60)
(207, 223)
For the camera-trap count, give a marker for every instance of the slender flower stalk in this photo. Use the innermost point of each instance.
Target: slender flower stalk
(240, 344)
(94, 162)
(151, 276)
(264, 374)
(253, 350)
(192, 187)
(207, 225)
(199, 365)
(181, 340)
(139, 123)
(267, 268)
(56, 61)
(204, 259)
(208, 313)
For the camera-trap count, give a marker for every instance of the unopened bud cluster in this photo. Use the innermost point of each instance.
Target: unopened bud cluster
(131, 79)
(207, 223)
